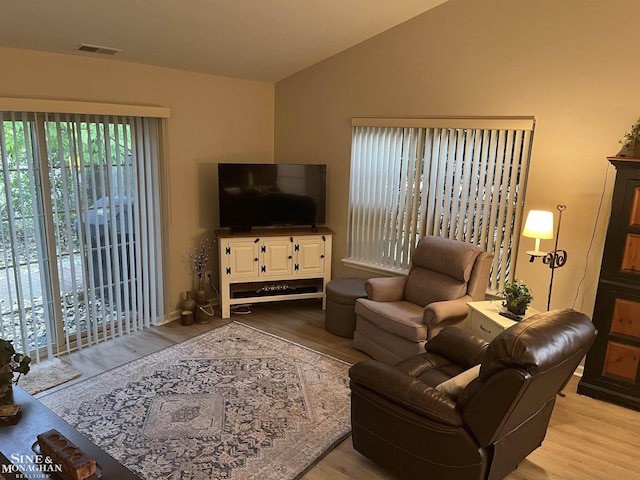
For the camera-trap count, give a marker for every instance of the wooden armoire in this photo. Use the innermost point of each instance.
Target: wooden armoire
(611, 370)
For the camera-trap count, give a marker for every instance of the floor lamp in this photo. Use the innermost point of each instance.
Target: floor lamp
(539, 225)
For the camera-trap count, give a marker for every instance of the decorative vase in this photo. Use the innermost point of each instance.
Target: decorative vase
(516, 309)
(204, 314)
(189, 304)
(201, 297)
(630, 150)
(186, 318)
(6, 398)
(6, 389)
(201, 294)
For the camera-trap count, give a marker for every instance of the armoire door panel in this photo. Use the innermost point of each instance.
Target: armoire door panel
(621, 361)
(631, 254)
(621, 256)
(634, 220)
(626, 318)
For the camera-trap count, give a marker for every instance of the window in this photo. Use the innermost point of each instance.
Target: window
(460, 178)
(81, 257)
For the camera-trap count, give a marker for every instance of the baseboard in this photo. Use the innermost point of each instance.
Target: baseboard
(173, 316)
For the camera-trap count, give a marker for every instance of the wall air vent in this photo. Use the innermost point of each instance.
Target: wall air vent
(84, 47)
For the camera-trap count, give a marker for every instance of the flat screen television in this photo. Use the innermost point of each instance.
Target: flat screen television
(264, 195)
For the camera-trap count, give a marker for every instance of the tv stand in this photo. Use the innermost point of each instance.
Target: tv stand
(240, 229)
(268, 265)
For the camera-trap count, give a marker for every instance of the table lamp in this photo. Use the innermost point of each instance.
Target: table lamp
(539, 225)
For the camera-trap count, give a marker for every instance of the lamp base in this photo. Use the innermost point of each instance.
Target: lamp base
(533, 254)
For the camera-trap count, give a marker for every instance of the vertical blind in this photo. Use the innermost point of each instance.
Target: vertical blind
(460, 178)
(81, 232)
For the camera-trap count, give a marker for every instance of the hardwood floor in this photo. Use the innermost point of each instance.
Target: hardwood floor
(587, 438)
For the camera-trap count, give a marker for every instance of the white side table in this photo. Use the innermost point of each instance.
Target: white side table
(485, 320)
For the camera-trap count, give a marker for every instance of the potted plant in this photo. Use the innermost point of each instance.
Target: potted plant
(11, 363)
(631, 142)
(517, 297)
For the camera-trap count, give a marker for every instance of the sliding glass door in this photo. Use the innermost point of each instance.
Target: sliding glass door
(80, 239)
(24, 273)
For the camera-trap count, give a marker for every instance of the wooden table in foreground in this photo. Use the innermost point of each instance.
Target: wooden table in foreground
(16, 440)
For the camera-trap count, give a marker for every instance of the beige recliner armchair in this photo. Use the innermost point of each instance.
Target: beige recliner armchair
(402, 313)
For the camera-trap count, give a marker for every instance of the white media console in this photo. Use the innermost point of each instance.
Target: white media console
(268, 265)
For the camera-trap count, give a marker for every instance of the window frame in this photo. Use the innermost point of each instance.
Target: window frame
(382, 152)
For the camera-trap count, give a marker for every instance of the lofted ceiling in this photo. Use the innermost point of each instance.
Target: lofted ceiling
(264, 40)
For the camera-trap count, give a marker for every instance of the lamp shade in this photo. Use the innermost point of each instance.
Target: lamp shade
(539, 225)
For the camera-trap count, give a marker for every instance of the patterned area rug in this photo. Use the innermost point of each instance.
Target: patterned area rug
(232, 403)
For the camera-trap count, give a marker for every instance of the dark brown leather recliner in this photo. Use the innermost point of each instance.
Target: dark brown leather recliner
(407, 417)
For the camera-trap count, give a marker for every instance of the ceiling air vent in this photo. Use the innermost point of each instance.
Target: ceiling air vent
(96, 49)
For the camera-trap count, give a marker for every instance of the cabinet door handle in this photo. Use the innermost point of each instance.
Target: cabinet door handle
(255, 259)
(290, 257)
(484, 329)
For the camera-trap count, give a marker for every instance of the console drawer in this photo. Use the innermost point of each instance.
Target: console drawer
(484, 327)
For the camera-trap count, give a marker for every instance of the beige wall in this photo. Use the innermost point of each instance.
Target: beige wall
(571, 63)
(213, 119)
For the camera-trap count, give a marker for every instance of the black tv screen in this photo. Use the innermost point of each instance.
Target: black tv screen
(260, 195)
